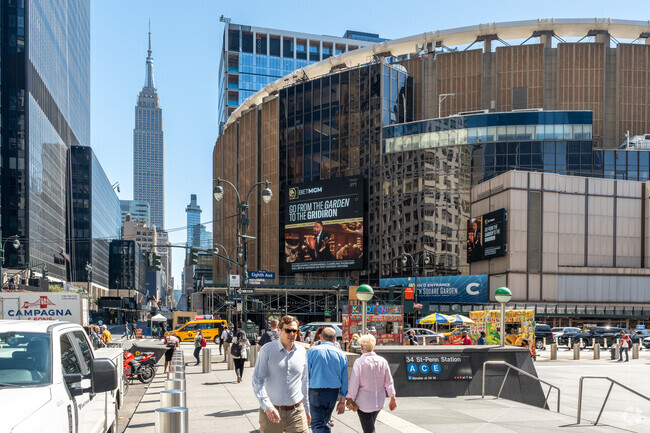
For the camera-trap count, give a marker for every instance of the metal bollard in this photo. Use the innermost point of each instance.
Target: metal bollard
(553, 352)
(635, 351)
(207, 360)
(173, 397)
(617, 351)
(176, 375)
(597, 351)
(172, 420)
(177, 368)
(253, 356)
(175, 384)
(576, 350)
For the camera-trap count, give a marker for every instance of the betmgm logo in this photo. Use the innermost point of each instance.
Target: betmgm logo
(294, 192)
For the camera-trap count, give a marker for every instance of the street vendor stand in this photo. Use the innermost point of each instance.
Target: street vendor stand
(385, 322)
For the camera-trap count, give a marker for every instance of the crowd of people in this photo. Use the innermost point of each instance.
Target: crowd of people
(299, 388)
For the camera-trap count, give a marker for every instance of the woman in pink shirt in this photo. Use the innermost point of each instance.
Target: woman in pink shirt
(369, 383)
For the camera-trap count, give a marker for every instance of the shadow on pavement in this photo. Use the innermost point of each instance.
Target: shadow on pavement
(225, 414)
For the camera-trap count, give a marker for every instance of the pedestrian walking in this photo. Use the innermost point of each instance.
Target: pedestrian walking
(127, 330)
(413, 339)
(328, 381)
(198, 340)
(354, 343)
(466, 339)
(269, 336)
(227, 341)
(171, 342)
(134, 329)
(163, 331)
(106, 336)
(280, 382)
(481, 339)
(308, 338)
(625, 347)
(220, 329)
(94, 337)
(316, 340)
(369, 382)
(238, 350)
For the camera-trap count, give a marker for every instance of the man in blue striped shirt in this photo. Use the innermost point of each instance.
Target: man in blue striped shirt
(328, 380)
(280, 383)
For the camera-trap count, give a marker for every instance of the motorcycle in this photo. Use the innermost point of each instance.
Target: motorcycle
(142, 367)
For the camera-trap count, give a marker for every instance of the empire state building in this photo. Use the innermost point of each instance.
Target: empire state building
(149, 148)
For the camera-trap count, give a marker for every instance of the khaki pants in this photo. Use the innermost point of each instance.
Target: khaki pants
(291, 421)
(226, 351)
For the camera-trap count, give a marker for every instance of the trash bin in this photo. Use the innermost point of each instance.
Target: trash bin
(612, 352)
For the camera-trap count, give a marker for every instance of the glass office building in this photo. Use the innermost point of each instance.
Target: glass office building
(93, 215)
(253, 57)
(45, 109)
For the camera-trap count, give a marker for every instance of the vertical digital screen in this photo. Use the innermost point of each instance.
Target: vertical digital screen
(486, 236)
(324, 225)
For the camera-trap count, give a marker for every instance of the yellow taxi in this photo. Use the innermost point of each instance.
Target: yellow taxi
(187, 332)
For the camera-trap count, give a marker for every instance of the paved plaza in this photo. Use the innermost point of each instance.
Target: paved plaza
(216, 401)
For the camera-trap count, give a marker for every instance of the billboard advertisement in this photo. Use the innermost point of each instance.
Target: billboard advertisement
(486, 236)
(324, 225)
(461, 289)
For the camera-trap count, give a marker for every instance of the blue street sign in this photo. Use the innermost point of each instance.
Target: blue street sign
(262, 274)
(237, 298)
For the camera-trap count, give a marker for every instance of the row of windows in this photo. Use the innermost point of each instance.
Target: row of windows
(487, 134)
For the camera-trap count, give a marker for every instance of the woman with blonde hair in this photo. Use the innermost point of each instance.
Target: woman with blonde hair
(369, 383)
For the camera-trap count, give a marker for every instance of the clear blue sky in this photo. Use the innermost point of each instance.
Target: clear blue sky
(186, 42)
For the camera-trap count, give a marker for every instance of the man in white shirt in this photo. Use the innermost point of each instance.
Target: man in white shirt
(281, 383)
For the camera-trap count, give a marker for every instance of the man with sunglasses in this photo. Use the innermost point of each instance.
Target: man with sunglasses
(280, 383)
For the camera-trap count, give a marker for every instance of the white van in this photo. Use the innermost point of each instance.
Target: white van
(51, 381)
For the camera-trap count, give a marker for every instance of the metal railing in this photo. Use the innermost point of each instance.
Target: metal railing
(520, 371)
(606, 397)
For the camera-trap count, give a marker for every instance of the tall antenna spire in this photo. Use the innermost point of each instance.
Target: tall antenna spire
(148, 81)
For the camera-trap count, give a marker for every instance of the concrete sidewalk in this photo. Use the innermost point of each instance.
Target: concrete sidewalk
(216, 401)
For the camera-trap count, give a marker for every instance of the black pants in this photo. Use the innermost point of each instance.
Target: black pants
(197, 350)
(239, 366)
(367, 420)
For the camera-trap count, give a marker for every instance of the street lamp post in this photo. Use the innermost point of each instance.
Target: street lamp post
(89, 273)
(364, 294)
(503, 296)
(243, 222)
(416, 264)
(16, 243)
(229, 266)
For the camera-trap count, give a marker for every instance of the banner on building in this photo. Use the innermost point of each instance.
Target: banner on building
(323, 228)
(462, 289)
(486, 236)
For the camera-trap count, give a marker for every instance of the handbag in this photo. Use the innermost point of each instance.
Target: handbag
(203, 342)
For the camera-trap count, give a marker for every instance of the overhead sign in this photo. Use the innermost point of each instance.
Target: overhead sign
(323, 225)
(486, 236)
(462, 289)
(228, 302)
(262, 275)
(237, 298)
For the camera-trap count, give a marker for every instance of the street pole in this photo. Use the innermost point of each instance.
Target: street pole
(502, 325)
(363, 317)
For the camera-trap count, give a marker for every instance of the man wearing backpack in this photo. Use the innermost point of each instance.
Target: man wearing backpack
(269, 336)
(172, 342)
(226, 336)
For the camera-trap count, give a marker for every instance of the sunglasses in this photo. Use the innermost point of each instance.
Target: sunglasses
(290, 331)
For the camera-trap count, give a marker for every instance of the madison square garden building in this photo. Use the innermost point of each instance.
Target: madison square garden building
(401, 147)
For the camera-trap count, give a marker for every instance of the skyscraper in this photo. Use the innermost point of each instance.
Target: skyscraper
(193, 211)
(44, 110)
(149, 148)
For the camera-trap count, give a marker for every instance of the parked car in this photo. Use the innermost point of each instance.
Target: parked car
(604, 335)
(644, 337)
(425, 336)
(313, 326)
(561, 334)
(646, 342)
(53, 380)
(543, 335)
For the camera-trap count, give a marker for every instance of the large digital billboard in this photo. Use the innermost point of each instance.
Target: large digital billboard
(324, 225)
(486, 236)
(461, 289)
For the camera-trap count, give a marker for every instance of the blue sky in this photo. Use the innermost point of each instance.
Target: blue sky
(186, 42)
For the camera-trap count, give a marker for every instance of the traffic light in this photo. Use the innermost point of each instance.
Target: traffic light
(45, 273)
(194, 256)
(155, 262)
(147, 259)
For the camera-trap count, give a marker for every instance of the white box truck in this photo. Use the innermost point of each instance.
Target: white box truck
(65, 306)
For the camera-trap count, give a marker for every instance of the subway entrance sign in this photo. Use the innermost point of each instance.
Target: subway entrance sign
(444, 366)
